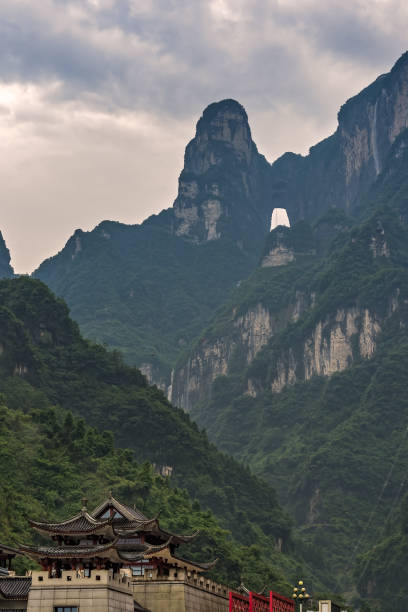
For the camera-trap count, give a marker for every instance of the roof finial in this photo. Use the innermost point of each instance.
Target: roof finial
(84, 504)
(110, 495)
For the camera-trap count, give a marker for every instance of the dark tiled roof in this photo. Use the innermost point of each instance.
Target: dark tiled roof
(123, 527)
(135, 525)
(128, 512)
(8, 550)
(67, 551)
(203, 566)
(134, 555)
(78, 524)
(15, 587)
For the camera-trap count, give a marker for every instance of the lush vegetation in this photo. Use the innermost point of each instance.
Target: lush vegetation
(142, 290)
(335, 448)
(50, 458)
(145, 290)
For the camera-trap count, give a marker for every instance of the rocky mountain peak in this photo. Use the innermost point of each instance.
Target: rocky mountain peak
(223, 128)
(224, 177)
(340, 170)
(6, 271)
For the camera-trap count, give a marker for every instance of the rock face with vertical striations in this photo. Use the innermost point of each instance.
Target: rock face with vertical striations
(341, 168)
(6, 271)
(224, 186)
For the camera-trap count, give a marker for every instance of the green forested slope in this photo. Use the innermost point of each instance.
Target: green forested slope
(49, 460)
(336, 448)
(143, 290)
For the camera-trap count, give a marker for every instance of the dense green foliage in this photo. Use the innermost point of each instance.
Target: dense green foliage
(336, 448)
(50, 459)
(142, 290)
(46, 370)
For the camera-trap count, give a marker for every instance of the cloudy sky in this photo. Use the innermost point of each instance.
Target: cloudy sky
(98, 98)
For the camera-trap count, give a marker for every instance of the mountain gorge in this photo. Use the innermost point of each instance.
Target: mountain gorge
(289, 347)
(61, 397)
(148, 290)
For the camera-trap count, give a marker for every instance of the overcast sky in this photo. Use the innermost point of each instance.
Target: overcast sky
(98, 98)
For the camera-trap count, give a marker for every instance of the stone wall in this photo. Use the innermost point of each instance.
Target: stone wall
(185, 594)
(102, 592)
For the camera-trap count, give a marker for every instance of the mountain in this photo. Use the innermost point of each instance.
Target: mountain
(60, 396)
(302, 374)
(289, 347)
(6, 271)
(224, 188)
(341, 168)
(148, 290)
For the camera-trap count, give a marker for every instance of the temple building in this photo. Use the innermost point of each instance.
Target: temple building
(112, 537)
(113, 559)
(13, 589)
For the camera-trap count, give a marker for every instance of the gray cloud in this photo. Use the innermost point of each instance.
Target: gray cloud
(172, 55)
(99, 97)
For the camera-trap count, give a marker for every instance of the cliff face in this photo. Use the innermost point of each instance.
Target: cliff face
(340, 169)
(224, 186)
(332, 346)
(248, 334)
(310, 314)
(6, 271)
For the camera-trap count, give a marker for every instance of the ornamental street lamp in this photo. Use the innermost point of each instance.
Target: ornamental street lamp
(300, 595)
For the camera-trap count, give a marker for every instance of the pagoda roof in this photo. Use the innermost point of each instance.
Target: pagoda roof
(132, 514)
(15, 587)
(148, 552)
(166, 555)
(68, 552)
(112, 551)
(82, 523)
(8, 550)
(134, 521)
(152, 526)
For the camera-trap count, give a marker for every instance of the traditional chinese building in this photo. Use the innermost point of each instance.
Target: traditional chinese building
(13, 589)
(112, 537)
(111, 558)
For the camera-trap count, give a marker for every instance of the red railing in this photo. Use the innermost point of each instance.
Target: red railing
(238, 603)
(279, 603)
(258, 603)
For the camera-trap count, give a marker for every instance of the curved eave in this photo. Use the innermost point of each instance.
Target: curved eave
(191, 566)
(149, 551)
(75, 552)
(127, 512)
(177, 539)
(9, 550)
(134, 527)
(80, 524)
(154, 528)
